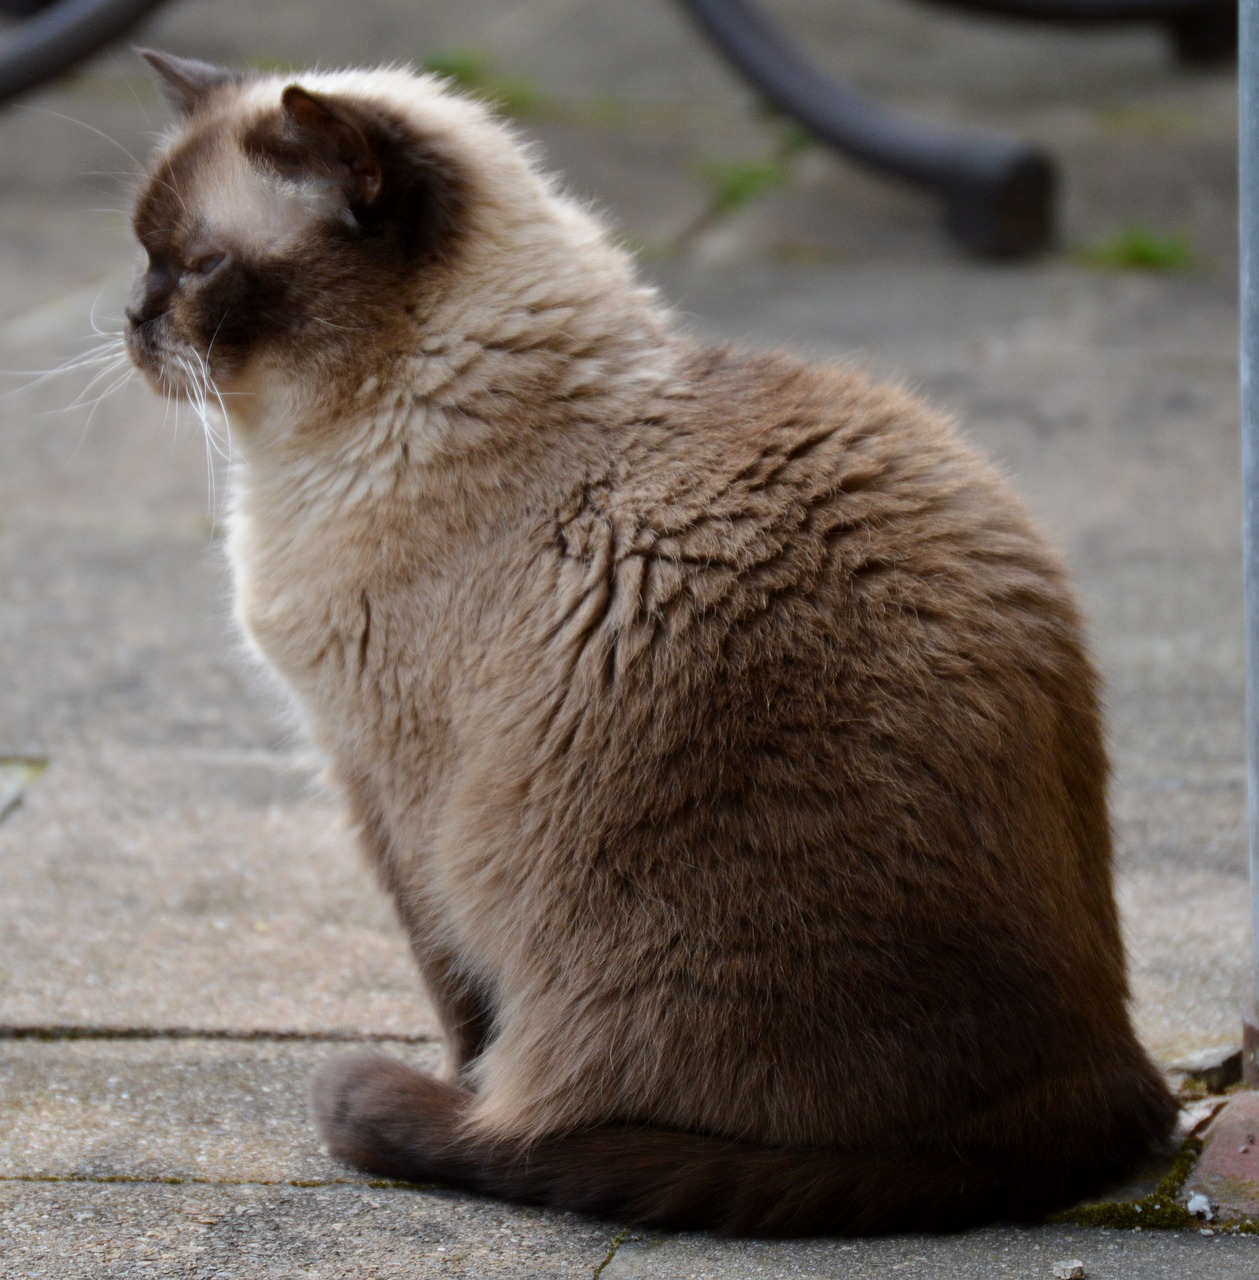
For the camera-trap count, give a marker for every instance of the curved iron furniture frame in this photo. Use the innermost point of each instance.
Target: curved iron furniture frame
(56, 37)
(997, 192)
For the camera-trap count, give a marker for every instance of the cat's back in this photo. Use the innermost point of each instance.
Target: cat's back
(763, 501)
(797, 577)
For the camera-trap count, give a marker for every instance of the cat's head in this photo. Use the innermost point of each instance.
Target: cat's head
(291, 228)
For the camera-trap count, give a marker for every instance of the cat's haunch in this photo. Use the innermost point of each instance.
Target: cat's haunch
(718, 723)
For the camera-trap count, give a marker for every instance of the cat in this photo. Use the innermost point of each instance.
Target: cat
(718, 722)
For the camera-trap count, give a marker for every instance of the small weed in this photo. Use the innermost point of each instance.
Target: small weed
(16, 774)
(1138, 248)
(1147, 121)
(794, 140)
(29, 767)
(735, 183)
(462, 67)
(472, 73)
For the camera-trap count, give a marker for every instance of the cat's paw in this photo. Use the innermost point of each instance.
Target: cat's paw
(381, 1116)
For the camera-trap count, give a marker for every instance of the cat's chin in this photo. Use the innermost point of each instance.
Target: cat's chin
(155, 366)
(161, 382)
(181, 378)
(171, 388)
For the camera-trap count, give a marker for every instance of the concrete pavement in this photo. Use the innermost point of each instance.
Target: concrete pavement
(183, 929)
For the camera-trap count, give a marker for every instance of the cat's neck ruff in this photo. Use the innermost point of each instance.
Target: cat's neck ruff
(471, 376)
(456, 414)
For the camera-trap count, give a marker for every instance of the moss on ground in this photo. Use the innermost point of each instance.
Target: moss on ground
(1161, 1210)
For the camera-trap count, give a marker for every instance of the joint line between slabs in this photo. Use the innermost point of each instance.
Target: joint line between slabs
(67, 1032)
(174, 1180)
(616, 1242)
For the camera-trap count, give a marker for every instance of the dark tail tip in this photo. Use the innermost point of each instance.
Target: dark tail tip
(381, 1116)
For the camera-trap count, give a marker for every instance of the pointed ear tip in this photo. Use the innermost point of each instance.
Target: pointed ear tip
(305, 107)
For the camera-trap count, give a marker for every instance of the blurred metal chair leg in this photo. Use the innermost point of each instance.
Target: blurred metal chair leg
(52, 38)
(1201, 31)
(998, 193)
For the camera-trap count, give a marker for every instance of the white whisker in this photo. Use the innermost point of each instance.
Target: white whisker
(102, 354)
(109, 370)
(83, 124)
(117, 385)
(127, 81)
(91, 316)
(196, 397)
(168, 396)
(212, 387)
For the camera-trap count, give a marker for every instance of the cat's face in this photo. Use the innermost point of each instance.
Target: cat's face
(286, 232)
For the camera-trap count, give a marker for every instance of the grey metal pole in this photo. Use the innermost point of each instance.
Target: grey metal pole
(1248, 155)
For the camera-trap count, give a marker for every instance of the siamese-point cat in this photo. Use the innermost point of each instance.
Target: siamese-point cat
(718, 722)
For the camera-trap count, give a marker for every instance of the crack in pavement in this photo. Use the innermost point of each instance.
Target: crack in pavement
(617, 1241)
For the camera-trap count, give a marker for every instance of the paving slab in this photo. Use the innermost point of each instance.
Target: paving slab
(186, 1108)
(998, 1253)
(212, 890)
(95, 1231)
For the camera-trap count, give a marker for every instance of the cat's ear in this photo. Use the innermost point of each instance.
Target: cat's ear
(333, 136)
(185, 82)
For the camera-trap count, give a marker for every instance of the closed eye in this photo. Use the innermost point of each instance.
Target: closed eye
(205, 264)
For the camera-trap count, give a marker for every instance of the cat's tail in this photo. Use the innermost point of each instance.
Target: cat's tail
(382, 1117)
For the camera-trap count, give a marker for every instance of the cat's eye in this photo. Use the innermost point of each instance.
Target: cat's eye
(205, 264)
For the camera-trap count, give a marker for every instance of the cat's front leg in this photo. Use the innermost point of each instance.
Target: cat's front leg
(461, 1007)
(460, 1002)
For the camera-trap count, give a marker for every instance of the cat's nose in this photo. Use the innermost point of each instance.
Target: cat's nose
(142, 314)
(150, 299)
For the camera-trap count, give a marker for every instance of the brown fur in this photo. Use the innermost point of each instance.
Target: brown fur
(719, 724)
